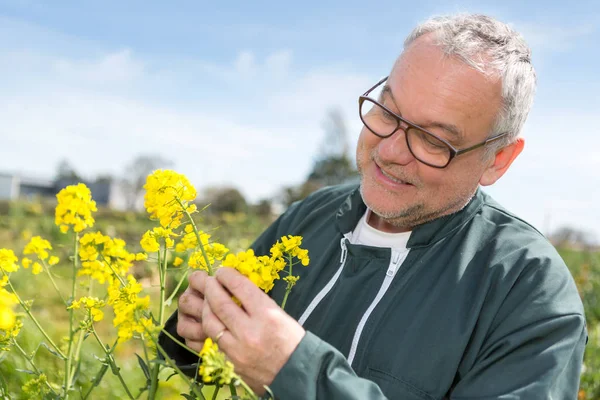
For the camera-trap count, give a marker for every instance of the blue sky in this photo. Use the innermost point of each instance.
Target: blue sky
(236, 93)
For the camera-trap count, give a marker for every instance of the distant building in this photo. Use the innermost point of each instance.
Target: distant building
(106, 193)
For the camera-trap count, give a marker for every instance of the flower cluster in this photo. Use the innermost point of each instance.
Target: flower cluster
(168, 194)
(128, 308)
(150, 239)
(290, 247)
(7, 302)
(8, 261)
(102, 256)
(214, 367)
(92, 305)
(261, 270)
(74, 208)
(39, 247)
(264, 270)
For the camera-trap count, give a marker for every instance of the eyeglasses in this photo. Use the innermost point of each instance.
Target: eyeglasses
(425, 146)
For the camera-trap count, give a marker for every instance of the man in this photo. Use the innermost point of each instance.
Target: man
(420, 285)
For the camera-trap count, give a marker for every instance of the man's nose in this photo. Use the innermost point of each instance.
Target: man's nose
(394, 149)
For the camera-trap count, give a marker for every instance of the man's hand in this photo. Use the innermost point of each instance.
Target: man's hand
(189, 311)
(259, 337)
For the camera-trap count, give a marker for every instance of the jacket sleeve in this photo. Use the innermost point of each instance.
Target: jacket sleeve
(534, 349)
(316, 370)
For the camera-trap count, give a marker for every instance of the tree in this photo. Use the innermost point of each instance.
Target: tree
(65, 171)
(137, 172)
(223, 199)
(332, 164)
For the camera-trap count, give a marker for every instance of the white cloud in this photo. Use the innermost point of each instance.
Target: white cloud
(117, 67)
(553, 37)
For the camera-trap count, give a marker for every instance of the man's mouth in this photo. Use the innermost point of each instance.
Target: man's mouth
(392, 178)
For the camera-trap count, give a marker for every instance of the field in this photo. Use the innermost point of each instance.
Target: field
(19, 221)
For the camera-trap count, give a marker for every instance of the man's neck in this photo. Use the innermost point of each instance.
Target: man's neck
(382, 225)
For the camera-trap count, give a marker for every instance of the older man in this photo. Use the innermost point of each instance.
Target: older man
(420, 285)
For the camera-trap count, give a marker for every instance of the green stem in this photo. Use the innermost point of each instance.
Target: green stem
(54, 283)
(35, 321)
(176, 368)
(216, 392)
(247, 389)
(114, 271)
(173, 338)
(80, 340)
(162, 271)
(288, 289)
(232, 390)
(112, 361)
(35, 368)
(172, 296)
(206, 260)
(68, 360)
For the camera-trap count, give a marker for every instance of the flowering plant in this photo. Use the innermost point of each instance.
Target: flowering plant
(102, 281)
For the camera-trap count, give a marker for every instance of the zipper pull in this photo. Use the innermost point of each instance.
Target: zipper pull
(344, 250)
(395, 262)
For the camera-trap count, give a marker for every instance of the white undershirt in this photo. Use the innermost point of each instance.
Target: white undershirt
(366, 235)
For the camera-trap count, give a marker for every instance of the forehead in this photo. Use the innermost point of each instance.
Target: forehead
(430, 86)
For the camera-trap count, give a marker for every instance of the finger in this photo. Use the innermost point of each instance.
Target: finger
(220, 303)
(195, 345)
(213, 326)
(253, 299)
(189, 328)
(197, 281)
(191, 303)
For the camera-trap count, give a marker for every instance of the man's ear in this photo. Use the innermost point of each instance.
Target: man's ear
(501, 161)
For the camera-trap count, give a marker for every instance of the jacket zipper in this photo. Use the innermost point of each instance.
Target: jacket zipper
(313, 304)
(396, 259)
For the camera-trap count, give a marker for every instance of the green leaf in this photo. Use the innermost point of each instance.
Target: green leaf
(27, 371)
(52, 351)
(143, 366)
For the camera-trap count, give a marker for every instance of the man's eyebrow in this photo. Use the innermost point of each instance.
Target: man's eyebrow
(452, 129)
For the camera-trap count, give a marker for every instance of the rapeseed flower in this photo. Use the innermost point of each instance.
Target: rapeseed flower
(262, 270)
(290, 246)
(8, 261)
(7, 315)
(128, 307)
(93, 305)
(150, 239)
(101, 255)
(214, 366)
(74, 208)
(39, 247)
(214, 251)
(168, 194)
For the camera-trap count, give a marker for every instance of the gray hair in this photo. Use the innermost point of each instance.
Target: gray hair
(492, 48)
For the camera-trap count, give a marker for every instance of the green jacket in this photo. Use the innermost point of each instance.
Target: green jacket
(480, 306)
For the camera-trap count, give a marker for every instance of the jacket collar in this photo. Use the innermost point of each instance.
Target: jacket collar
(353, 208)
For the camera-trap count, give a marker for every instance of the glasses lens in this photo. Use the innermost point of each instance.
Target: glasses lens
(377, 118)
(427, 148)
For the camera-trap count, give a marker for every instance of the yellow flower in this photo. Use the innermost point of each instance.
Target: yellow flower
(74, 208)
(101, 254)
(7, 316)
(6, 336)
(214, 251)
(168, 194)
(37, 387)
(26, 262)
(38, 246)
(178, 261)
(290, 246)
(8, 261)
(36, 268)
(92, 304)
(150, 242)
(262, 271)
(214, 367)
(53, 260)
(128, 307)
